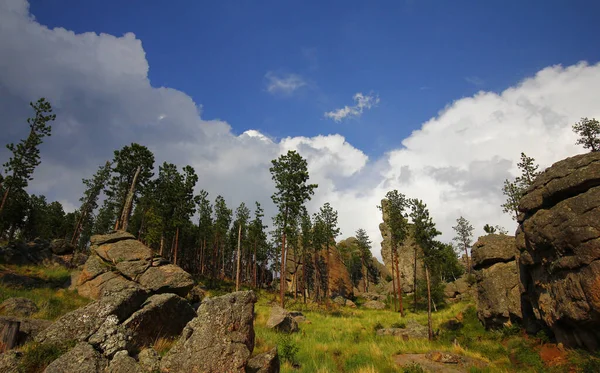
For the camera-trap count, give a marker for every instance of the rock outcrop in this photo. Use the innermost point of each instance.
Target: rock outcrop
(18, 306)
(497, 280)
(458, 290)
(282, 321)
(82, 358)
(267, 362)
(559, 251)
(220, 339)
(406, 254)
(374, 305)
(120, 262)
(412, 330)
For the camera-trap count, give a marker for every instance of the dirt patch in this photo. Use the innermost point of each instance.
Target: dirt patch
(553, 355)
(442, 362)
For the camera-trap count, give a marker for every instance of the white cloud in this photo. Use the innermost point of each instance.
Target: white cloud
(455, 162)
(362, 102)
(475, 80)
(284, 84)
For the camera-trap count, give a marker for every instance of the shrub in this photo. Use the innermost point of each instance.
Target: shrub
(400, 324)
(287, 349)
(377, 326)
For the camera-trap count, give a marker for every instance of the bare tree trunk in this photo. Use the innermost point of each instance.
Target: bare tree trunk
(282, 272)
(176, 244)
(162, 245)
(398, 274)
(79, 225)
(4, 198)
(317, 277)
(429, 328)
(304, 277)
(327, 292)
(254, 266)
(8, 334)
(124, 221)
(415, 282)
(395, 295)
(239, 254)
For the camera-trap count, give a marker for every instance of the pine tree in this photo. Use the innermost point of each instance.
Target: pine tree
(258, 240)
(205, 226)
(242, 215)
(464, 237)
(514, 190)
(290, 174)
(589, 133)
(26, 154)
(329, 218)
(364, 247)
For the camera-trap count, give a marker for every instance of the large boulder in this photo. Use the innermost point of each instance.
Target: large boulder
(559, 247)
(61, 247)
(267, 362)
(220, 339)
(120, 262)
(82, 358)
(412, 330)
(160, 316)
(497, 280)
(18, 307)
(458, 290)
(123, 363)
(282, 321)
(374, 305)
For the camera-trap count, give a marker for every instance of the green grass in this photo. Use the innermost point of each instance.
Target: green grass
(52, 302)
(340, 339)
(36, 357)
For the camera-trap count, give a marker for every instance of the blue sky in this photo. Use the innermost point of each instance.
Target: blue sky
(436, 99)
(417, 56)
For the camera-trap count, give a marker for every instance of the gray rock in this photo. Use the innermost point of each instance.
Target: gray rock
(493, 248)
(111, 337)
(149, 360)
(280, 320)
(374, 305)
(61, 247)
(220, 339)
(80, 324)
(122, 251)
(22, 307)
(161, 316)
(167, 279)
(80, 359)
(107, 283)
(133, 268)
(123, 363)
(498, 295)
(116, 236)
(413, 330)
(267, 362)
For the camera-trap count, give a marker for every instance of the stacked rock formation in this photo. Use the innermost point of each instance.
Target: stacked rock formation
(497, 280)
(559, 251)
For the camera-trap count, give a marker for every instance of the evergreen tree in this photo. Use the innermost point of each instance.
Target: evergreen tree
(290, 174)
(258, 240)
(205, 226)
(364, 247)
(94, 187)
(514, 190)
(464, 237)
(221, 227)
(589, 133)
(328, 217)
(242, 215)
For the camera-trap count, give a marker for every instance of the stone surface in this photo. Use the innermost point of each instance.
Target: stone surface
(160, 316)
(344, 302)
(504, 250)
(220, 339)
(167, 278)
(123, 363)
(374, 305)
(106, 283)
(18, 307)
(373, 296)
(267, 362)
(406, 254)
(413, 330)
(559, 247)
(61, 247)
(83, 322)
(114, 236)
(111, 337)
(282, 321)
(82, 358)
(122, 251)
(149, 360)
(459, 289)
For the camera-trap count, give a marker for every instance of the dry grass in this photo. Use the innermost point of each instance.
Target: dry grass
(163, 345)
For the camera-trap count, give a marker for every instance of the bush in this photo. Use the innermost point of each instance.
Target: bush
(508, 331)
(287, 349)
(471, 279)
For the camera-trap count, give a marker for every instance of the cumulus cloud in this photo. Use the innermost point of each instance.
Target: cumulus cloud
(283, 84)
(455, 162)
(363, 102)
